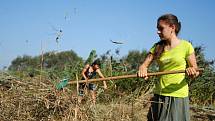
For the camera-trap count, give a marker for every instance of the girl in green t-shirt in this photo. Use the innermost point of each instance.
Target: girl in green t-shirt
(170, 101)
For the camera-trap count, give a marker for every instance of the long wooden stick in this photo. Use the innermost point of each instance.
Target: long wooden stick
(131, 76)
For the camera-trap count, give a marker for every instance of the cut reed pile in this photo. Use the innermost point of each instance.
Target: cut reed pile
(36, 99)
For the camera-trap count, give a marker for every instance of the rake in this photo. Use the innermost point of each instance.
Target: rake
(65, 82)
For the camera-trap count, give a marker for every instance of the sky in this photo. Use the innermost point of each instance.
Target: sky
(30, 26)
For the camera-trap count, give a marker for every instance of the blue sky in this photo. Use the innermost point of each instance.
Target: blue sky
(29, 25)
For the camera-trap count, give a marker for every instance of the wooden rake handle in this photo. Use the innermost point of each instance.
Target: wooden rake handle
(130, 76)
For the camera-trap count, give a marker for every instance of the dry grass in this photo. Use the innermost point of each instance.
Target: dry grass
(34, 100)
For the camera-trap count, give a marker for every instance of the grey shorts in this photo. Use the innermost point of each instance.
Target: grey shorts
(82, 86)
(166, 108)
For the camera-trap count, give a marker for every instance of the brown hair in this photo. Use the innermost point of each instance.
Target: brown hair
(171, 20)
(96, 62)
(159, 48)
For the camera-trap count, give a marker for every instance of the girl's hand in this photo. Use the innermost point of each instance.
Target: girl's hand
(143, 72)
(191, 71)
(105, 86)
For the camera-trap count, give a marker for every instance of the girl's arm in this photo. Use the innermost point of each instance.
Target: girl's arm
(143, 68)
(101, 76)
(84, 70)
(191, 70)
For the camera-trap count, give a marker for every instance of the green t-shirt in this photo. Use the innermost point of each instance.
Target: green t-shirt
(175, 59)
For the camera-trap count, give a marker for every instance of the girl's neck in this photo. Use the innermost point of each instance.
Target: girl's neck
(91, 69)
(173, 42)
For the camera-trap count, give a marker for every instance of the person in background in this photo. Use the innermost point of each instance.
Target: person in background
(170, 101)
(90, 72)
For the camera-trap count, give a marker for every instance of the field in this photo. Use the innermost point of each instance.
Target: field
(37, 99)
